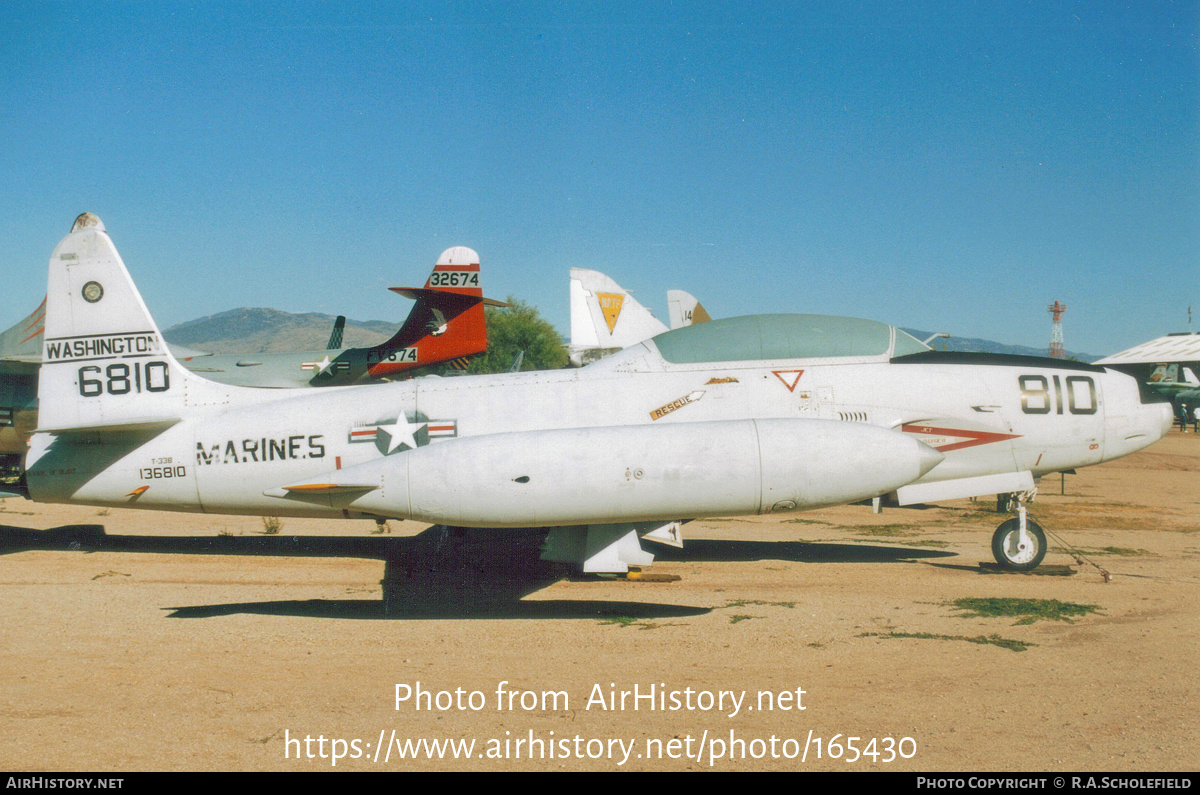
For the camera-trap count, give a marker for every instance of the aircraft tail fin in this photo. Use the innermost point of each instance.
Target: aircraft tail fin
(335, 337)
(684, 310)
(447, 321)
(1165, 374)
(104, 361)
(23, 342)
(604, 317)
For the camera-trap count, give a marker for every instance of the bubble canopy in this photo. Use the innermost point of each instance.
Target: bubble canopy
(770, 337)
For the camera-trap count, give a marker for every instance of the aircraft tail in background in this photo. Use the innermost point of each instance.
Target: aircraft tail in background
(684, 310)
(447, 322)
(335, 336)
(605, 318)
(22, 344)
(20, 356)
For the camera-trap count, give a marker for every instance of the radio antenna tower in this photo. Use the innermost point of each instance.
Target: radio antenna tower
(1056, 311)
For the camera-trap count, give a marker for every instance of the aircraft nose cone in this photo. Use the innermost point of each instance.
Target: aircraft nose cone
(927, 457)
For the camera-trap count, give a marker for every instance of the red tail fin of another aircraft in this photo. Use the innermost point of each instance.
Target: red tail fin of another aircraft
(447, 321)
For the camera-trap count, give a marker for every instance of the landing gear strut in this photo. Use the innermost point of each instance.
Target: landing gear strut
(1019, 544)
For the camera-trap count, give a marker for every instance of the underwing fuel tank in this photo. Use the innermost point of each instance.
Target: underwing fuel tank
(628, 473)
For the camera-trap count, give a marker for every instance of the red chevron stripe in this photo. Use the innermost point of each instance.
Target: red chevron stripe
(971, 438)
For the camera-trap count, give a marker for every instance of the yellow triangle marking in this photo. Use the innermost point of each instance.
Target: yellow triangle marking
(610, 307)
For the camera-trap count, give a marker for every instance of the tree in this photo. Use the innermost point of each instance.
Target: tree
(513, 330)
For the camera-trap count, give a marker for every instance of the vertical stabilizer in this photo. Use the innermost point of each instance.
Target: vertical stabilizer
(335, 336)
(447, 322)
(104, 361)
(684, 310)
(605, 317)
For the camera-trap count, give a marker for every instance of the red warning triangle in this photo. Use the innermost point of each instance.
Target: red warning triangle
(789, 378)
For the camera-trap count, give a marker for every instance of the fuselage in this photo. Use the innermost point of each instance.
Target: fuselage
(985, 415)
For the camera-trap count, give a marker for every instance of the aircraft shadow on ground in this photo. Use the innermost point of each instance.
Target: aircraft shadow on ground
(725, 551)
(443, 572)
(439, 573)
(427, 606)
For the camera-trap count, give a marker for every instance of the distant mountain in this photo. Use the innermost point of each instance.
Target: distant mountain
(971, 344)
(271, 330)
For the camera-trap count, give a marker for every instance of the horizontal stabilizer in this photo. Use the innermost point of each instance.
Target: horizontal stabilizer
(428, 293)
(180, 352)
(147, 426)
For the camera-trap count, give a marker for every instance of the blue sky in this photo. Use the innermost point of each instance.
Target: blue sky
(944, 165)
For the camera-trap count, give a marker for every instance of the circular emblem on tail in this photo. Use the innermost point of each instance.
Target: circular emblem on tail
(92, 292)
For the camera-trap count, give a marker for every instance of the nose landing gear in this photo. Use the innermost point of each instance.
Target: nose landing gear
(1019, 544)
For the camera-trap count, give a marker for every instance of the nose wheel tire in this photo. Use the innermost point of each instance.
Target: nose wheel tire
(1009, 552)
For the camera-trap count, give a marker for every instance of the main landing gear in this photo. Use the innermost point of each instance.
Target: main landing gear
(1019, 544)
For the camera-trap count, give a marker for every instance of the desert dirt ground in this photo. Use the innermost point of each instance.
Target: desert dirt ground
(138, 640)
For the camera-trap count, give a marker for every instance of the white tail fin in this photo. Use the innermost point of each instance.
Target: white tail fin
(104, 362)
(604, 317)
(684, 310)
(1165, 374)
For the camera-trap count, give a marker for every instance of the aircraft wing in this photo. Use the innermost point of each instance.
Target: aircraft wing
(1183, 347)
(962, 488)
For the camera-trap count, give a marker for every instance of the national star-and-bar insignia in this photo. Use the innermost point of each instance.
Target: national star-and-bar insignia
(391, 436)
(325, 365)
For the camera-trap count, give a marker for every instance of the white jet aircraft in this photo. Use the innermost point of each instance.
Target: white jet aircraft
(750, 415)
